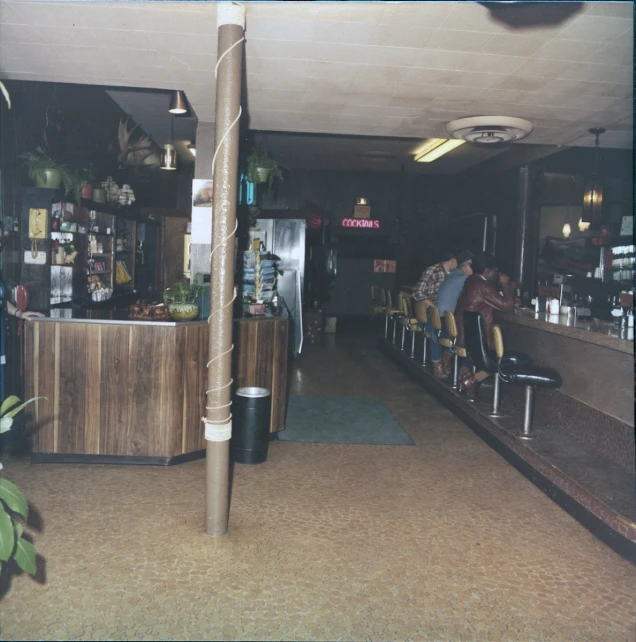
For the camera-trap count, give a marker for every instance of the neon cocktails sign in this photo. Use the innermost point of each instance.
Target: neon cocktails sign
(361, 223)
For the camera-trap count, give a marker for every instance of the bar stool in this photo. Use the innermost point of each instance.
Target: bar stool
(377, 303)
(389, 311)
(395, 313)
(409, 322)
(484, 358)
(419, 309)
(450, 342)
(532, 377)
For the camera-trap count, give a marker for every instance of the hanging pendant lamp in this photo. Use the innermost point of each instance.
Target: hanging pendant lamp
(178, 103)
(169, 154)
(593, 187)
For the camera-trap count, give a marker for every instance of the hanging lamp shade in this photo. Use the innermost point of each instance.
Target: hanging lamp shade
(169, 157)
(178, 103)
(593, 187)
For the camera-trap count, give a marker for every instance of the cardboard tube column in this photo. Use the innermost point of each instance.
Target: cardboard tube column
(218, 421)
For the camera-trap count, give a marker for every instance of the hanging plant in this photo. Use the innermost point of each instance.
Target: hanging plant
(45, 171)
(261, 169)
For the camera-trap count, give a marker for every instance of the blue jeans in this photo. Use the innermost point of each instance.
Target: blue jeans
(436, 348)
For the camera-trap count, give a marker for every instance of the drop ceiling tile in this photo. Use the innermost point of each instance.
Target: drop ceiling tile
(418, 76)
(539, 68)
(393, 112)
(292, 49)
(404, 102)
(17, 75)
(204, 62)
(274, 81)
(510, 96)
(283, 95)
(18, 33)
(454, 40)
(311, 96)
(281, 28)
(588, 88)
(154, 18)
(370, 12)
(83, 54)
(198, 77)
(11, 15)
(21, 64)
(515, 45)
(379, 76)
(601, 73)
(62, 78)
(491, 63)
(613, 55)
(256, 10)
(615, 9)
(48, 14)
(430, 14)
(343, 53)
(523, 83)
(480, 79)
(562, 49)
(396, 56)
(313, 107)
(349, 32)
(279, 66)
(472, 17)
(406, 36)
(626, 39)
(328, 70)
(76, 36)
(109, 16)
(166, 43)
(453, 60)
(368, 98)
(149, 74)
(595, 28)
(334, 85)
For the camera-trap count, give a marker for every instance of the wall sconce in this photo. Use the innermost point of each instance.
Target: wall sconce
(178, 103)
(583, 227)
(593, 188)
(567, 230)
(193, 149)
(362, 201)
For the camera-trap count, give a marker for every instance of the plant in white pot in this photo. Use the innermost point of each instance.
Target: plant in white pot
(14, 508)
(181, 300)
(263, 169)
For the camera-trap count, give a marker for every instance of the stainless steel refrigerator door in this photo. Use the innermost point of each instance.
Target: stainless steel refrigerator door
(289, 289)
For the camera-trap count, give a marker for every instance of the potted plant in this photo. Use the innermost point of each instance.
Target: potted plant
(13, 504)
(181, 300)
(45, 171)
(87, 178)
(263, 169)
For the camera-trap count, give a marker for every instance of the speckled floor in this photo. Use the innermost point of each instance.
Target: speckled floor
(441, 541)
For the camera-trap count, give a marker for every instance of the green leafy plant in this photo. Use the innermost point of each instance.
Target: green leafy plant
(68, 246)
(87, 174)
(13, 503)
(39, 161)
(182, 292)
(260, 159)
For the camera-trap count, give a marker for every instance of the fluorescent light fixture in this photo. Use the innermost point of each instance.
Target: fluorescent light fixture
(436, 147)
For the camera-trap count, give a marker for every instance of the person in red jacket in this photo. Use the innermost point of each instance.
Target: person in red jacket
(485, 291)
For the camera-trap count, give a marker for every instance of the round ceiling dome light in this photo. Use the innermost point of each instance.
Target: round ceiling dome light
(489, 129)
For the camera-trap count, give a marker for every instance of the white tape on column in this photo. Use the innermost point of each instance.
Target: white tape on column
(230, 13)
(218, 432)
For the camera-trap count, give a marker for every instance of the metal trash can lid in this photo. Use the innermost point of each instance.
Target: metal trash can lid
(253, 392)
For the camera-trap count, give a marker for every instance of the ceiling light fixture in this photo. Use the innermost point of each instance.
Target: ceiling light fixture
(490, 129)
(178, 103)
(593, 186)
(434, 148)
(169, 154)
(193, 149)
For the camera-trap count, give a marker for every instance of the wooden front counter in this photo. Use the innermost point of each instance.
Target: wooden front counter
(133, 392)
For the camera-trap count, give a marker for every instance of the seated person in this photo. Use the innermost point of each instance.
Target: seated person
(446, 301)
(481, 294)
(432, 278)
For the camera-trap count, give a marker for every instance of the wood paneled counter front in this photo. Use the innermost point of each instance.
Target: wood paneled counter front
(133, 391)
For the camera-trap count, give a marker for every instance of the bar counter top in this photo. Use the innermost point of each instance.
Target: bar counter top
(596, 331)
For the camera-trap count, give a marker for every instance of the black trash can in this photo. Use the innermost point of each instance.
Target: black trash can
(251, 412)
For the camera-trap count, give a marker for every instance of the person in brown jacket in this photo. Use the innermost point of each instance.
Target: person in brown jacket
(480, 294)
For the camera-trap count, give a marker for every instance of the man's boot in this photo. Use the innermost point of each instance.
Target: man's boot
(471, 385)
(438, 370)
(447, 363)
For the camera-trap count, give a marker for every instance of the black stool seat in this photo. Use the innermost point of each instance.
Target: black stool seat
(531, 376)
(516, 359)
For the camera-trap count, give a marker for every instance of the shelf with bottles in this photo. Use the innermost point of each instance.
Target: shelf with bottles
(620, 262)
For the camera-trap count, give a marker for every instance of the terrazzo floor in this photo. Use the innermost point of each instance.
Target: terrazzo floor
(439, 541)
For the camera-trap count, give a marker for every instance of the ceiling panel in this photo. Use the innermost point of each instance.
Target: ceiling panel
(310, 66)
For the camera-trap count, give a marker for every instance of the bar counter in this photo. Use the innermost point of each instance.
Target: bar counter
(133, 391)
(596, 361)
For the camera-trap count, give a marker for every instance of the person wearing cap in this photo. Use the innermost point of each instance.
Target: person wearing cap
(432, 278)
(446, 301)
